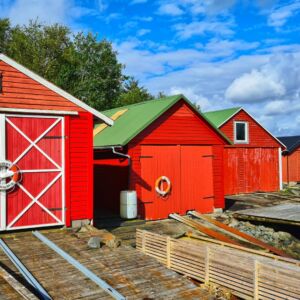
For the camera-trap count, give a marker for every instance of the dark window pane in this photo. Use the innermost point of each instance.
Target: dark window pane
(240, 131)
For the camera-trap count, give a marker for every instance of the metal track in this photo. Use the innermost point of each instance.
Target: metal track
(208, 231)
(101, 283)
(41, 292)
(243, 235)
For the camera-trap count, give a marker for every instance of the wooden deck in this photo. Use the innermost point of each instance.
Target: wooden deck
(129, 271)
(288, 213)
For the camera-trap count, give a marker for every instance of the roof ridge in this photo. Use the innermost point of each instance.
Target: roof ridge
(212, 111)
(142, 102)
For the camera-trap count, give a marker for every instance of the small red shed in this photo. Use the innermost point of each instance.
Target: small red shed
(165, 137)
(291, 159)
(253, 162)
(46, 152)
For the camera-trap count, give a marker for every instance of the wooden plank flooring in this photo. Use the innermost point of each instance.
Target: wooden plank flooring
(288, 213)
(130, 272)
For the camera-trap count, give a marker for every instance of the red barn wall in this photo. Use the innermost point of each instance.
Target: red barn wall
(249, 170)
(179, 125)
(79, 167)
(291, 167)
(258, 137)
(250, 167)
(22, 92)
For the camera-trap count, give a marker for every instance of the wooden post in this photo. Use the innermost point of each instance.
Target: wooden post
(168, 252)
(255, 280)
(207, 254)
(143, 241)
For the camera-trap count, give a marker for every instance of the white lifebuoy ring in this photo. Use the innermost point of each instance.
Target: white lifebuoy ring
(8, 171)
(158, 183)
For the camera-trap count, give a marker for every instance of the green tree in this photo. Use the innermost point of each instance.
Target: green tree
(133, 93)
(4, 34)
(98, 74)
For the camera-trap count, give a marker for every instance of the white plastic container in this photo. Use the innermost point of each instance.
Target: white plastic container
(128, 204)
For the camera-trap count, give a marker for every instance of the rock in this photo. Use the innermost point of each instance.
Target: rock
(95, 242)
(284, 235)
(295, 192)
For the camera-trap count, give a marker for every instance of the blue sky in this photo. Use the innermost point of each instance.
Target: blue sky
(219, 53)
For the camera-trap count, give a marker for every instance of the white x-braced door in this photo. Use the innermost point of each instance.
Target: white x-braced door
(33, 147)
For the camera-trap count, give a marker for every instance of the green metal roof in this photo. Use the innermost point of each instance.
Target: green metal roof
(136, 119)
(218, 117)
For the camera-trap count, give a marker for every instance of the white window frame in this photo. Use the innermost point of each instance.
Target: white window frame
(246, 141)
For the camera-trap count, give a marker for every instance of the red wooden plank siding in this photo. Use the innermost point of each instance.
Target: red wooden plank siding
(80, 172)
(258, 136)
(291, 167)
(250, 170)
(178, 126)
(20, 91)
(218, 176)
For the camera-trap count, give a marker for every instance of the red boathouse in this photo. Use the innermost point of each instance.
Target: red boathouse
(165, 137)
(291, 159)
(46, 152)
(253, 162)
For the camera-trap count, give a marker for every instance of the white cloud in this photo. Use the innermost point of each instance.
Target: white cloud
(254, 87)
(170, 9)
(46, 11)
(143, 32)
(280, 15)
(198, 28)
(279, 78)
(199, 99)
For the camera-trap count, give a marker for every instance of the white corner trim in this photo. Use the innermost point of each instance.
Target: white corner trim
(54, 88)
(38, 111)
(280, 168)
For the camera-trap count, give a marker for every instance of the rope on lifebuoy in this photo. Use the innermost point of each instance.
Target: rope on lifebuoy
(158, 182)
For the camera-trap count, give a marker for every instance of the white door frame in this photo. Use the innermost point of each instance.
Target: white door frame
(59, 169)
(2, 158)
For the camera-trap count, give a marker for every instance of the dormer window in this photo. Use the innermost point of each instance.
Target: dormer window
(241, 132)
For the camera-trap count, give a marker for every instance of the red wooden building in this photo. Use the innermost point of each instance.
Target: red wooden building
(291, 159)
(165, 137)
(253, 162)
(46, 152)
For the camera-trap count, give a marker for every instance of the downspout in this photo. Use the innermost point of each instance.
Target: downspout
(129, 162)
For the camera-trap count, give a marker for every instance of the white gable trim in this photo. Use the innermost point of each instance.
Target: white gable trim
(256, 122)
(55, 89)
(230, 117)
(39, 111)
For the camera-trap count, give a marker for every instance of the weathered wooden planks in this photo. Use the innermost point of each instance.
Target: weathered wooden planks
(288, 213)
(248, 275)
(129, 271)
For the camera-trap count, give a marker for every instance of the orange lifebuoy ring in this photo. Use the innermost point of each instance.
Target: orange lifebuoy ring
(16, 177)
(157, 185)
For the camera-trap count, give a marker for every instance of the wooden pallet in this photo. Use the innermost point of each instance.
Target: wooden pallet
(247, 275)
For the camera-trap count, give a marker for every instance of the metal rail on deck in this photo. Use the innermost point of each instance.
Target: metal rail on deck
(23, 270)
(101, 283)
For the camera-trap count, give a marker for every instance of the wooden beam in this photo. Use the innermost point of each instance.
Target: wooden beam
(243, 235)
(208, 231)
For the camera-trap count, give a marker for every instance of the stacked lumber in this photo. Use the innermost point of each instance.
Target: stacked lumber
(248, 275)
